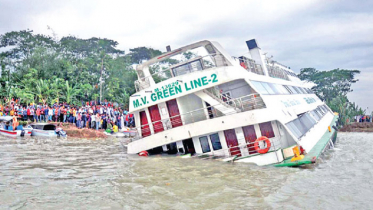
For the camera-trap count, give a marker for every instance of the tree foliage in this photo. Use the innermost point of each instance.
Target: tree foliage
(330, 84)
(39, 68)
(333, 87)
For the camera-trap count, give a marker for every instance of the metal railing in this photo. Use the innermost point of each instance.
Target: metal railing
(242, 150)
(276, 72)
(213, 61)
(244, 103)
(250, 65)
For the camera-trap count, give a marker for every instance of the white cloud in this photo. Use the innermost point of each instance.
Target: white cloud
(308, 33)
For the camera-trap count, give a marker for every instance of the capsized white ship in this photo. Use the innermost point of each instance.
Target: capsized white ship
(201, 101)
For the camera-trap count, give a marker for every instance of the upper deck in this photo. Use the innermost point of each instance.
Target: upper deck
(175, 66)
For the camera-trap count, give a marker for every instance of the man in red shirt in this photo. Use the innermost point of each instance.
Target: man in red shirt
(38, 115)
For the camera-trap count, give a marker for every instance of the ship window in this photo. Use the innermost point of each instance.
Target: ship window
(204, 144)
(268, 88)
(266, 129)
(259, 87)
(274, 88)
(282, 89)
(301, 127)
(318, 113)
(39, 127)
(215, 141)
(307, 121)
(302, 90)
(288, 89)
(49, 127)
(293, 128)
(296, 90)
(321, 110)
(210, 49)
(187, 68)
(292, 89)
(315, 115)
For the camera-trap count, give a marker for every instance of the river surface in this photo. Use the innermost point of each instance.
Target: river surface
(87, 174)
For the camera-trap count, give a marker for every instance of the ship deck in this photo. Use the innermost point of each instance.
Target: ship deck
(316, 150)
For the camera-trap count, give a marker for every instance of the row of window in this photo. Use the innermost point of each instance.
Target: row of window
(300, 126)
(249, 134)
(274, 89)
(215, 142)
(291, 73)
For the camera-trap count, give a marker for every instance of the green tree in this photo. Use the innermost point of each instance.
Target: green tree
(330, 84)
(332, 87)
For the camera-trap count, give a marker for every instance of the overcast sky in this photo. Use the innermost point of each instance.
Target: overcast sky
(323, 34)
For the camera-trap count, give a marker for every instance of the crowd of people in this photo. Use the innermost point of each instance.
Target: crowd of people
(363, 118)
(92, 116)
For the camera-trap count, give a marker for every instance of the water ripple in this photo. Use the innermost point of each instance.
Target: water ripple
(86, 174)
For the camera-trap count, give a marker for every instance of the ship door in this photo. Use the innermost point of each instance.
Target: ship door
(209, 110)
(189, 146)
(250, 137)
(231, 139)
(173, 111)
(145, 130)
(156, 119)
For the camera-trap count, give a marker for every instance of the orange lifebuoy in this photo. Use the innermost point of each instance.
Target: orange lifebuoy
(264, 150)
(143, 153)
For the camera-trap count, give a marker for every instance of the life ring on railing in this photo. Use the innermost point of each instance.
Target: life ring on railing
(264, 150)
(143, 153)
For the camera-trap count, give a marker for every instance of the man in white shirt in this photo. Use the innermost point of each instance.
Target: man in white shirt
(93, 121)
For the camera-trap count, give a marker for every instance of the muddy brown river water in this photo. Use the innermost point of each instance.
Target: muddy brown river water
(86, 174)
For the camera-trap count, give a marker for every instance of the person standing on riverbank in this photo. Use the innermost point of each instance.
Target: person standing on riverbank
(46, 111)
(93, 121)
(78, 120)
(50, 114)
(98, 121)
(38, 115)
(74, 115)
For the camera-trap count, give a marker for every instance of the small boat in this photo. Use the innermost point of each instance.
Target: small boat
(129, 132)
(116, 134)
(6, 128)
(47, 129)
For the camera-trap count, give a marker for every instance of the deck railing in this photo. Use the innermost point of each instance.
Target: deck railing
(242, 150)
(276, 72)
(207, 61)
(244, 103)
(250, 65)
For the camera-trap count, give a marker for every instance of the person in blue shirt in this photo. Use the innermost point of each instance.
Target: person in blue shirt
(46, 111)
(25, 114)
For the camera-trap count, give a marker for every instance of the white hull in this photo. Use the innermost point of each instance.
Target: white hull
(16, 133)
(36, 132)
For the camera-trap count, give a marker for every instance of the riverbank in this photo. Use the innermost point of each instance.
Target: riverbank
(358, 127)
(72, 131)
